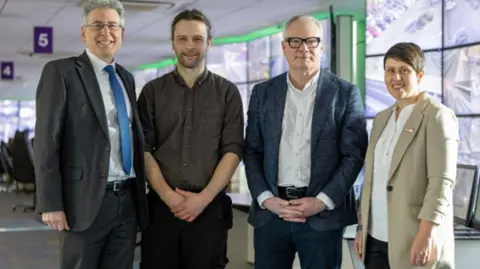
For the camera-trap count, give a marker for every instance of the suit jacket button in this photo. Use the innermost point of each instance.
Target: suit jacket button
(107, 148)
(104, 175)
(389, 188)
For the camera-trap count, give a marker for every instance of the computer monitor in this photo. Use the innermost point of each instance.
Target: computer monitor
(465, 193)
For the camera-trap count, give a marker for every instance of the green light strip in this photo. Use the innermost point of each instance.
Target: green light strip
(251, 36)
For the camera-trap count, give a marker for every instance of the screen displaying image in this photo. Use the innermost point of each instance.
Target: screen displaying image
(278, 64)
(229, 61)
(244, 93)
(389, 22)
(377, 97)
(462, 18)
(462, 193)
(469, 147)
(461, 76)
(259, 59)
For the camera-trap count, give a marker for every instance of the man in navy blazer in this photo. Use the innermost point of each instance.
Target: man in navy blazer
(306, 141)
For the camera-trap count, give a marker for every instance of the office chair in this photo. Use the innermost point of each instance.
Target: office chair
(23, 171)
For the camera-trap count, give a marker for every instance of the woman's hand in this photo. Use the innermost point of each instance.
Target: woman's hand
(423, 249)
(359, 244)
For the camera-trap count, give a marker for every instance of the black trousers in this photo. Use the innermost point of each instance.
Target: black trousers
(171, 243)
(376, 256)
(109, 243)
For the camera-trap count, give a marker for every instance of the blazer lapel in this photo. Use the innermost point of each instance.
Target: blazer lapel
(326, 90)
(127, 84)
(408, 133)
(280, 88)
(90, 83)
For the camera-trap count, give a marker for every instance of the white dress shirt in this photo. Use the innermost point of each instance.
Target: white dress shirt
(384, 149)
(294, 161)
(115, 169)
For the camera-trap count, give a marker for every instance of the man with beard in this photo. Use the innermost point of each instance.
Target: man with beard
(193, 126)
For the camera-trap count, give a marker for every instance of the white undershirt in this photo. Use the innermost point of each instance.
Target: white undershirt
(384, 149)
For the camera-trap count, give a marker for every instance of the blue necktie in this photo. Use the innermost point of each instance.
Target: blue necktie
(123, 120)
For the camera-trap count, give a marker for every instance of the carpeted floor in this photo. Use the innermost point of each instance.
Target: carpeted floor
(25, 243)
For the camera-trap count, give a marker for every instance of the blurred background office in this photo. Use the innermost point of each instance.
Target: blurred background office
(246, 50)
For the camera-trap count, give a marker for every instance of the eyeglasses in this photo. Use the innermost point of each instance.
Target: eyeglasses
(99, 26)
(296, 42)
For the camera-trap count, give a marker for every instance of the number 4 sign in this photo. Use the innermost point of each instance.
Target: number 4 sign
(42, 39)
(6, 70)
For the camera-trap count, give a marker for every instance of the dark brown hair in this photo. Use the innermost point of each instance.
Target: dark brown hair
(407, 52)
(192, 15)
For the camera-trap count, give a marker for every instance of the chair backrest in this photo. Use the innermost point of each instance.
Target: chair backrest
(6, 158)
(22, 161)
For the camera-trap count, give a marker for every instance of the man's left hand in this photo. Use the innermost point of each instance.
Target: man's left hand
(308, 206)
(191, 207)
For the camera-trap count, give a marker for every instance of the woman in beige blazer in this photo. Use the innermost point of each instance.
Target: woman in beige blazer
(406, 212)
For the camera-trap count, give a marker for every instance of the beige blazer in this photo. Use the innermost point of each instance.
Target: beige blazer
(421, 181)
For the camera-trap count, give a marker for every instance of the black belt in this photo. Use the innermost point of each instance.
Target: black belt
(291, 192)
(119, 185)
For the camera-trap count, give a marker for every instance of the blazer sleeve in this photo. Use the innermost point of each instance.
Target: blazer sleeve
(353, 146)
(254, 149)
(442, 147)
(50, 111)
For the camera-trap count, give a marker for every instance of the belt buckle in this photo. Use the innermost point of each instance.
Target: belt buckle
(116, 186)
(290, 190)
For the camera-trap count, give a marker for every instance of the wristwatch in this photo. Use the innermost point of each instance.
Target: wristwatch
(359, 227)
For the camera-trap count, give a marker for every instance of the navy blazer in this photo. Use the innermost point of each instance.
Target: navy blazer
(339, 142)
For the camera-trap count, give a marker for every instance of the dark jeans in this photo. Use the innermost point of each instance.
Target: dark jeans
(171, 243)
(277, 241)
(109, 243)
(376, 256)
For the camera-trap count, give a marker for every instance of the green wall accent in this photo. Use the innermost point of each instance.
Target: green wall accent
(358, 16)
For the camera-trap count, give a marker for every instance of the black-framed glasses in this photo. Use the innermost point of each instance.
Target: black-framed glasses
(97, 26)
(296, 42)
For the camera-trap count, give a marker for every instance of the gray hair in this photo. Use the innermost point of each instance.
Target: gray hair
(305, 18)
(108, 4)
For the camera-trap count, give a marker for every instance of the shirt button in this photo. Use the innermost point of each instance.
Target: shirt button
(186, 145)
(184, 164)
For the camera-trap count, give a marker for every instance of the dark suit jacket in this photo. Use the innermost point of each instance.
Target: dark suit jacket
(72, 147)
(338, 144)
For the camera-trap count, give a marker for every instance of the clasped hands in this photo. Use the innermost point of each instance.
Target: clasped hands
(297, 210)
(186, 205)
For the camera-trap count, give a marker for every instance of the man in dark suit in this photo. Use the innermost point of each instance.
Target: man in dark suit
(89, 164)
(306, 140)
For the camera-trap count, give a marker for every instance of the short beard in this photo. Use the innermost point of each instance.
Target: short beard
(195, 64)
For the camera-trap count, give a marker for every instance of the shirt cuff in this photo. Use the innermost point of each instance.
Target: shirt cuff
(326, 201)
(262, 197)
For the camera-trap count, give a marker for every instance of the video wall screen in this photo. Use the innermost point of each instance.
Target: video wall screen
(378, 98)
(390, 22)
(469, 147)
(461, 75)
(462, 18)
(259, 59)
(229, 61)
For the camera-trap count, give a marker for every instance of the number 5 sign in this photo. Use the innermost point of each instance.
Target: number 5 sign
(6, 70)
(42, 39)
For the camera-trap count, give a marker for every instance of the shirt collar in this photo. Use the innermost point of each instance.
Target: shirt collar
(311, 84)
(97, 63)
